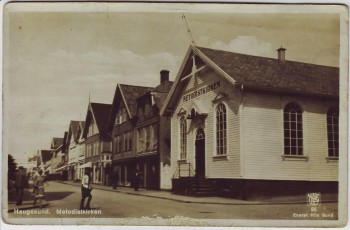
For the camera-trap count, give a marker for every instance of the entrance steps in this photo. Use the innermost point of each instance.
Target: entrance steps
(201, 187)
(192, 186)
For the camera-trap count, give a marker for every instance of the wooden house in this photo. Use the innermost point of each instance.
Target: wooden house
(121, 128)
(244, 125)
(98, 147)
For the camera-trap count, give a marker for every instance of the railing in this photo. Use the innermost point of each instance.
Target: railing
(184, 169)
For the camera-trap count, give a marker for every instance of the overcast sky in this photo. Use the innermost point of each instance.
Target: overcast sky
(56, 59)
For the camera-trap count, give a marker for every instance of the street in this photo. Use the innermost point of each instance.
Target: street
(112, 204)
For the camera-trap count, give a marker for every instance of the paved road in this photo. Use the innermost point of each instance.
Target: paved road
(119, 205)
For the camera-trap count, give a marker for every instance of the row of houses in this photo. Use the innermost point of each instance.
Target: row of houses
(115, 140)
(229, 123)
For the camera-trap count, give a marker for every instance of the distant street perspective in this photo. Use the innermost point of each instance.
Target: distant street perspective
(63, 202)
(175, 112)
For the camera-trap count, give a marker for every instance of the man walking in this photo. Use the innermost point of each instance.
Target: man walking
(85, 190)
(20, 183)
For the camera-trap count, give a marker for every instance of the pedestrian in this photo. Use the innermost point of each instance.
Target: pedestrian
(38, 183)
(115, 178)
(21, 183)
(137, 178)
(85, 190)
(35, 175)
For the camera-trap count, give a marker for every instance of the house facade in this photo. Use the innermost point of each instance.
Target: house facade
(80, 148)
(98, 147)
(246, 124)
(141, 137)
(57, 158)
(74, 152)
(44, 158)
(121, 127)
(152, 152)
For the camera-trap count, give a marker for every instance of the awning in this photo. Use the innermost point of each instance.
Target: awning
(64, 167)
(86, 165)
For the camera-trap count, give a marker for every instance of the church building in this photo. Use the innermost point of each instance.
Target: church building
(248, 126)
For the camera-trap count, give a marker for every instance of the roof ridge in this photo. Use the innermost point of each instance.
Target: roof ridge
(251, 55)
(136, 86)
(97, 103)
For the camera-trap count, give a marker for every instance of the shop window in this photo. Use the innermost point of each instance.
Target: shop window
(333, 132)
(221, 129)
(293, 130)
(183, 138)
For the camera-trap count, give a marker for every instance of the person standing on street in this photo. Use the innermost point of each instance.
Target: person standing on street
(115, 179)
(85, 190)
(137, 178)
(21, 182)
(39, 191)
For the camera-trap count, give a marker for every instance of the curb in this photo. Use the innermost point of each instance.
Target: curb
(202, 202)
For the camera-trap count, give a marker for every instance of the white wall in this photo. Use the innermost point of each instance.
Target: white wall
(263, 139)
(223, 167)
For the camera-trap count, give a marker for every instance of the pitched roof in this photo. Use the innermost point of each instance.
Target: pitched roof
(258, 72)
(164, 87)
(56, 142)
(101, 114)
(45, 155)
(131, 93)
(74, 129)
(271, 73)
(161, 92)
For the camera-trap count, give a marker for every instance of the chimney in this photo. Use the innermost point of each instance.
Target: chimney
(281, 54)
(164, 76)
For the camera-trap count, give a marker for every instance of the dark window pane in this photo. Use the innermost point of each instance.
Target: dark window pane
(294, 142)
(299, 117)
(293, 117)
(330, 144)
(335, 120)
(286, 150)
(300, 134)
(300, 151)
(300, 126)
(293, 134)
(293, 125)
(300, 143)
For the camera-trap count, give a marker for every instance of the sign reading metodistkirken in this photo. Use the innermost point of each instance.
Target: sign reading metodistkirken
(201, 91)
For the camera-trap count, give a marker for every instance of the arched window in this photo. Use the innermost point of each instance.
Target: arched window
(293, 130)
(183, 138)
(333, 132)
(221, 127)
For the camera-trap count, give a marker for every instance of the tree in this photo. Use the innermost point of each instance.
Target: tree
(12, 165)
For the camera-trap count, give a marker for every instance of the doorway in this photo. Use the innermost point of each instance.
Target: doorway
(200, 153)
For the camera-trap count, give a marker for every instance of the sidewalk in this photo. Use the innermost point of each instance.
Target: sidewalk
(326, 198)
(27, 201)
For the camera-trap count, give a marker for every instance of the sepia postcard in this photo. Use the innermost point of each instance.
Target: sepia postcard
(175, 114)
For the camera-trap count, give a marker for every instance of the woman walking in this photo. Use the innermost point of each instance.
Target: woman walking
(39, 187)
